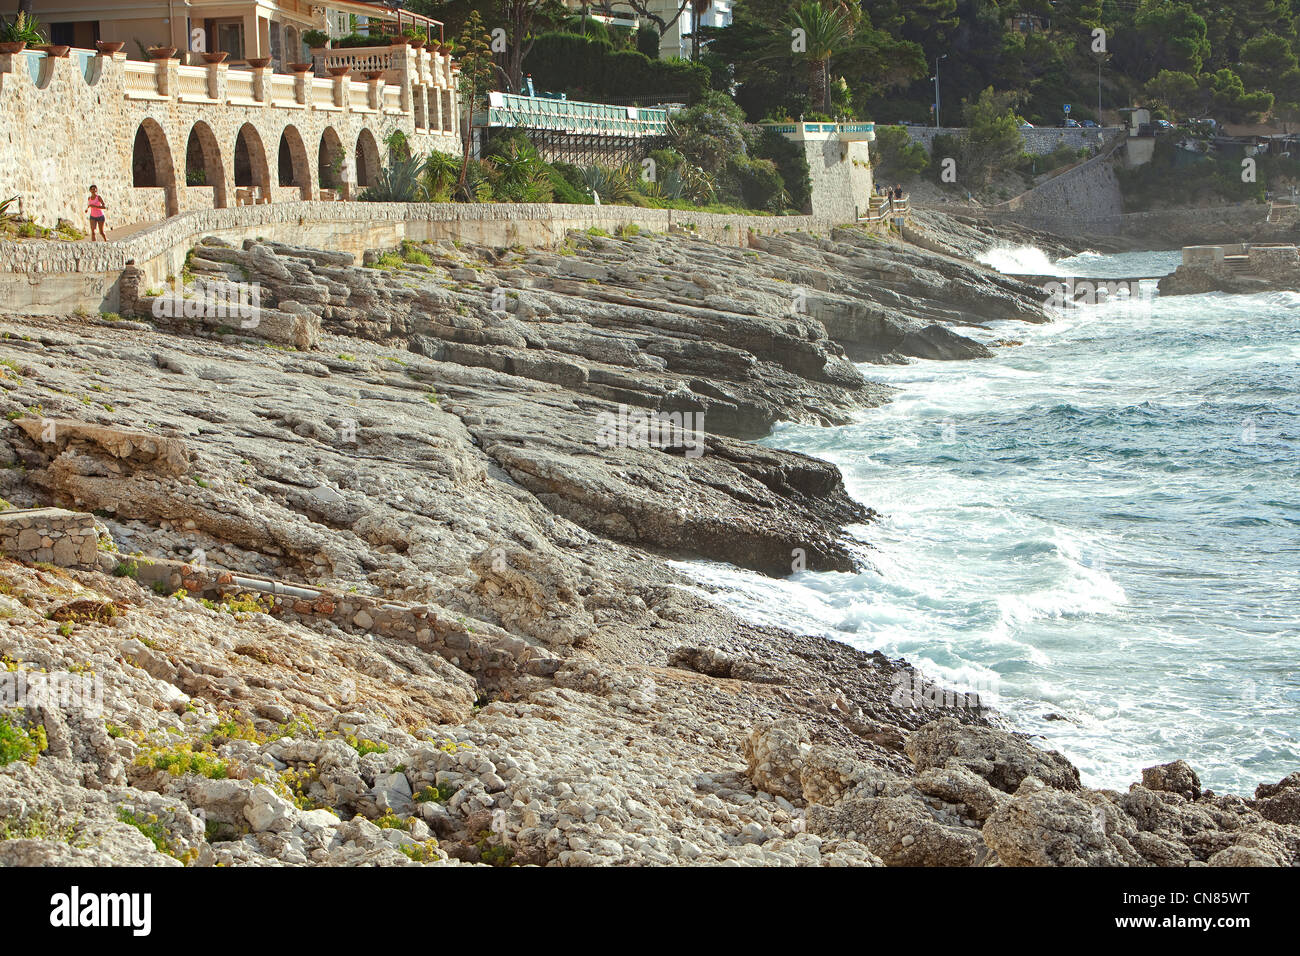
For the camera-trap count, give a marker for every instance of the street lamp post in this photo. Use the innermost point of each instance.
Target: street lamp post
(936, 88)
(1101, 61)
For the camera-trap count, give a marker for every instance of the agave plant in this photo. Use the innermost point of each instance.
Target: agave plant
(519, 173)
(399, 181)
(24, 28)
(613, 184)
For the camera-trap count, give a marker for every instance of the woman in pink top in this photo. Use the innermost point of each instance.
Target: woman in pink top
(95, 206)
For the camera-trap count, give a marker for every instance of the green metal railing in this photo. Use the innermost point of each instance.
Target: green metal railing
(790, 129)
(572, 116)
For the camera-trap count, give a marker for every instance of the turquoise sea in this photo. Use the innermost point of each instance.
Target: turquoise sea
(1097, 529)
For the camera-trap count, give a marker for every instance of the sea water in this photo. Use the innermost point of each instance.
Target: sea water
(1098, 529)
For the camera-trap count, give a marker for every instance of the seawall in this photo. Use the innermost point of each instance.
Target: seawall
(49, 277)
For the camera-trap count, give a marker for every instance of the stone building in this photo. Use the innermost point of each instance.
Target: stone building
(160, 138)
(243, 29)
(839, 166)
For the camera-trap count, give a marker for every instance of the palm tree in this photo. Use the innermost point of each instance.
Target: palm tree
(441, 171)
(826, 30)
(699, 8)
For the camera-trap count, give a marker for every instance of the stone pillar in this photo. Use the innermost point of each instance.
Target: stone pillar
(405, 66)
(375, 94)
(168, 77)
(217, 81)
(302, 87)
(128, 289)
(341, 91)
(262, 84)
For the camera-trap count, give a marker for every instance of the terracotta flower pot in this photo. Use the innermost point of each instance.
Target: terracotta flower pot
(418, 42)
(444, 49)
(373, 74)
(216, 56)
(301, 67)
(17, 47)
(54, 49)
(259, 62)
(109, 47)
(161, 52)
(339, 70)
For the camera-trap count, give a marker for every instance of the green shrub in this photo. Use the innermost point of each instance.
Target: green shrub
(711, 132)
(647, 42)
(791, 163)
(894, 157)
(19, 743)
(758, 184)
(589, 68)
(567, 184)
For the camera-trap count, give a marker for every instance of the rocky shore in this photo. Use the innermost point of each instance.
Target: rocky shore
(462, 469)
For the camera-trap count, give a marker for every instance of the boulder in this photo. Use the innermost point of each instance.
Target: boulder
(1004, 759)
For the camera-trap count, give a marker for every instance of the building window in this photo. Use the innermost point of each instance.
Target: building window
(230, 37)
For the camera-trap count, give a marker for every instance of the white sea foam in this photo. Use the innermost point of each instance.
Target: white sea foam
(1080, 518)
(1019, 260)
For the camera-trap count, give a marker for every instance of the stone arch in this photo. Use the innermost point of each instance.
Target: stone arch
(151, 163)
(329, 159)
(368, 162)
(292, 46)
(204, 165)
(251, 167)
(294, 166)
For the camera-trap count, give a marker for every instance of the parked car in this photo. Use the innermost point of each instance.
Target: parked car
(1026, 125)
(1162, 124)
(1090, 124)
(1068, 124)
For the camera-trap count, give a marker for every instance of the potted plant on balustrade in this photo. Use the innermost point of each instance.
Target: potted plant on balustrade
(316, 39)
(23, 31)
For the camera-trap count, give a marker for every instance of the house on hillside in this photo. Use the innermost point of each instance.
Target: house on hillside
(245, 29)
(676, 41)
(1027, 23)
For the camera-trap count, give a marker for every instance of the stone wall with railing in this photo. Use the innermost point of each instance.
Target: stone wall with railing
(58, 278)
(159, 138)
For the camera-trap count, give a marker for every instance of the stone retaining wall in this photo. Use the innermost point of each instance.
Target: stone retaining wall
(57, 278)
(49, 535)
(1163, 229)
(1038, 141)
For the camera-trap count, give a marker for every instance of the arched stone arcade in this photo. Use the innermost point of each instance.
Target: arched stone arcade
(252, 170)
(173, 139)
(204, 166)
(151, 164)
(330, 158)
(368, 162)
(294, 165)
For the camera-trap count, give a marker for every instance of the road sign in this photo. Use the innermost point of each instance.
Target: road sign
(1067, 107)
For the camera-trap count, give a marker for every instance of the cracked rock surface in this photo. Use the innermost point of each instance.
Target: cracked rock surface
(427, 434)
